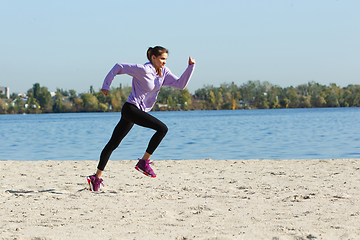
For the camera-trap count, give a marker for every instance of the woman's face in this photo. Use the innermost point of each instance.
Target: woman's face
(159, 61)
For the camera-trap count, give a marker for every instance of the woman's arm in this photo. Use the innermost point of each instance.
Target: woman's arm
(180, 83)
(110, 77)
(134, 70)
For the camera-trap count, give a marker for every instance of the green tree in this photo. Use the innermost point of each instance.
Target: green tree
(273, 98)
(115, 99)
(19, 103)
(284, 103)
(32, 104)
(59, 106)
(36, 90)
(293, 97)
(72, 95)
(90, 102)
(91, 91)
(228, 101)
(44, 99)
(170, 102)
(64, 93)
(317, 95)
(219, 101)
(354, 98)
(78, 105)
(201, 94)
(103, 107)
(304, 102)
(332, 95)
(3, 106)
(185, 99)
(212, 97)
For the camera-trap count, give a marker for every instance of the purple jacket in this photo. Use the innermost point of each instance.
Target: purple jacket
(146, 83)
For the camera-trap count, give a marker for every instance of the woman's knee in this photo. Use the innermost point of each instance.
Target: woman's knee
(164, 129)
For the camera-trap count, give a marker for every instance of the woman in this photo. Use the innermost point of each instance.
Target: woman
(146, 83)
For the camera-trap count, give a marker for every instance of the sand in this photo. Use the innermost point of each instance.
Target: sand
(189, 199)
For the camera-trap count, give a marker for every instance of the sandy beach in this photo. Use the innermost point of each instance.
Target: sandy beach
(189, 199)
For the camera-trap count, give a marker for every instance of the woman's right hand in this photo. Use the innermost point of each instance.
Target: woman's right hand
(191, 61)
(105, 91)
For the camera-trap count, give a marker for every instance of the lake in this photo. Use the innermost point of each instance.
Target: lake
(316, 133)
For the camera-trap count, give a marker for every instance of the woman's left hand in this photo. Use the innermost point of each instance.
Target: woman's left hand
(191, 61)
(105, 91)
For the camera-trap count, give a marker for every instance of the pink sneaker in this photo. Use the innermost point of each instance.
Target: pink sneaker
(94, 182)
(143, 166)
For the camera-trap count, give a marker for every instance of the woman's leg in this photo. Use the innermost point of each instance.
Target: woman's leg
(146, 156)
(130, 114)
(144, 119)
(120, 131)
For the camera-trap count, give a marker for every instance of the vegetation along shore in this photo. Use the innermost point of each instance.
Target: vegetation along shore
(250, 95)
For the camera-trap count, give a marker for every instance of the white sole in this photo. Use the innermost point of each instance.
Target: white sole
(90, 184)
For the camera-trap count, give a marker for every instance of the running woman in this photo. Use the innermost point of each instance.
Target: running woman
(146, 83)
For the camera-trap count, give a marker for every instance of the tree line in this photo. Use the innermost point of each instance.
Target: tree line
(250, 95)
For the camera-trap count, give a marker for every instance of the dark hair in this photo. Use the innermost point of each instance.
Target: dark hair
(157, 51)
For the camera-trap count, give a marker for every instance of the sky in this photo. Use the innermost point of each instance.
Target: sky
(71, 44)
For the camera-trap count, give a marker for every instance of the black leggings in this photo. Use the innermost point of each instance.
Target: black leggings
(131, 115)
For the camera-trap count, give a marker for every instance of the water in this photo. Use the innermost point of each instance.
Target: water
(241, 134)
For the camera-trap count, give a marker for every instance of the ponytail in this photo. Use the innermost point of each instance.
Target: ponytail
(148, 53)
